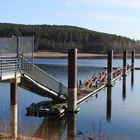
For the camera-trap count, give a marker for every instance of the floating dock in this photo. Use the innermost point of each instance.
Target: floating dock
(50, 108)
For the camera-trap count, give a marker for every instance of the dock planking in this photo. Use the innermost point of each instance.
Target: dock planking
(82, 96)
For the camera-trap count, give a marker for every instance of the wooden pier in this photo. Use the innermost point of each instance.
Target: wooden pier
(83, 95)
(19, 71)
(82, 92)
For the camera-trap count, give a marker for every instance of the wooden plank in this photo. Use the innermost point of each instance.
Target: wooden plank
(83, 95)
(80, 100)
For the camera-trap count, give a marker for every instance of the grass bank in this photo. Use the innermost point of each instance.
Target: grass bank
(80, 55)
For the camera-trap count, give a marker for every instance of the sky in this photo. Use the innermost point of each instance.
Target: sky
(121, 17)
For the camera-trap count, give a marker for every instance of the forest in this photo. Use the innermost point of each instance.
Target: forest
(59, 38)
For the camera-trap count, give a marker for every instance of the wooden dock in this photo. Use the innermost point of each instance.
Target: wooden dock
(78, 94)
(82, 95)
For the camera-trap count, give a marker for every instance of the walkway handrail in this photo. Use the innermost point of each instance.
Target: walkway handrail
(8, 65)
(42, 77)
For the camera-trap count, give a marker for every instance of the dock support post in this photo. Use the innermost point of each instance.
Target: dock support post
(13, 111)
(72, 80)
(124, 62)
(109, 68)
(13, 107)
(132, 61)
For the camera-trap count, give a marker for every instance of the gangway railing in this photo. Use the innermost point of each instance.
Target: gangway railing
(9, 67)
(43, 78)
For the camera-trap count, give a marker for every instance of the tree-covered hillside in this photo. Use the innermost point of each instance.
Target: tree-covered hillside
(61, 38)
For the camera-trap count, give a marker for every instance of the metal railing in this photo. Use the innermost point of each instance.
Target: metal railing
(9, 66)
(16, 65)
(42, 77)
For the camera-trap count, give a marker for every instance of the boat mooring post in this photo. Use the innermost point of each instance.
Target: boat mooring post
(109, 67)
(72, 80)
(13, 108)
(124, 62)
(132, 60)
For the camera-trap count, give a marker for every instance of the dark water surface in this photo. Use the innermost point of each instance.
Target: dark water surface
(112, 113)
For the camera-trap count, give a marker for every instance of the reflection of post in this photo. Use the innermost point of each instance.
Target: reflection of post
(72, 80)
(52, 128)
(132, 79)
(71, 130)
(132, 69)
(13, 110)
(124, 88)
(109, 68)
(109, 104)
(124, 62)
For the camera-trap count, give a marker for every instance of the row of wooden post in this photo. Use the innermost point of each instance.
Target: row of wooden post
(72, 75)
(72, 84)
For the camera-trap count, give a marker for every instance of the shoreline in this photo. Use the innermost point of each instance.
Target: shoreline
(59, 55)
(65, 55)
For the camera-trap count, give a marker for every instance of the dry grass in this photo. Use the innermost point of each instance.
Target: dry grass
(6, 136)
(65, 55)
(80, 55)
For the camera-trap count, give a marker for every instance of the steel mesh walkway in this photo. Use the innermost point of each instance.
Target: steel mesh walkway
(32, 78)
(45, 83)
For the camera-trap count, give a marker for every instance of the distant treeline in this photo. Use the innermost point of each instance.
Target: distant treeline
(61, 38)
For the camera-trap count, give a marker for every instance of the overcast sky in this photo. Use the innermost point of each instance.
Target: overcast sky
(121, 17)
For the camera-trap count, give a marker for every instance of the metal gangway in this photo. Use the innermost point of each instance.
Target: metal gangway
(40, 82)
(32, 77)
(16, 61)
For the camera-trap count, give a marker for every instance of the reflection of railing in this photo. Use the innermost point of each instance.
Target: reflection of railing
(42, 77)
(9, 66)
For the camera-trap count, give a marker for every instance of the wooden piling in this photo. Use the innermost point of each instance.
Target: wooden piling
(14, 107)
(109, 68)
(124, 62)
(72, 80)
(132, 60)
(13, 110)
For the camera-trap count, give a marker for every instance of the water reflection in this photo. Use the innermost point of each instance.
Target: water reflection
(132, 79)
(109, 104)
(60, 72)
(71, 129)
(124, 88)
(51, 128)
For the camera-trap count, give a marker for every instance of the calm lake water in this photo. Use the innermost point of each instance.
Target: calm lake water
(114, 116)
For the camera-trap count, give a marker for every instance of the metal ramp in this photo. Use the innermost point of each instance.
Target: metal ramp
(33, 78)
(38, 81)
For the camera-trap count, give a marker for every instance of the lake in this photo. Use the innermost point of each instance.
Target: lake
(110, 114)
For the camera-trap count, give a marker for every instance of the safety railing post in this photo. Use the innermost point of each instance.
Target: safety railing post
(15, 67)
